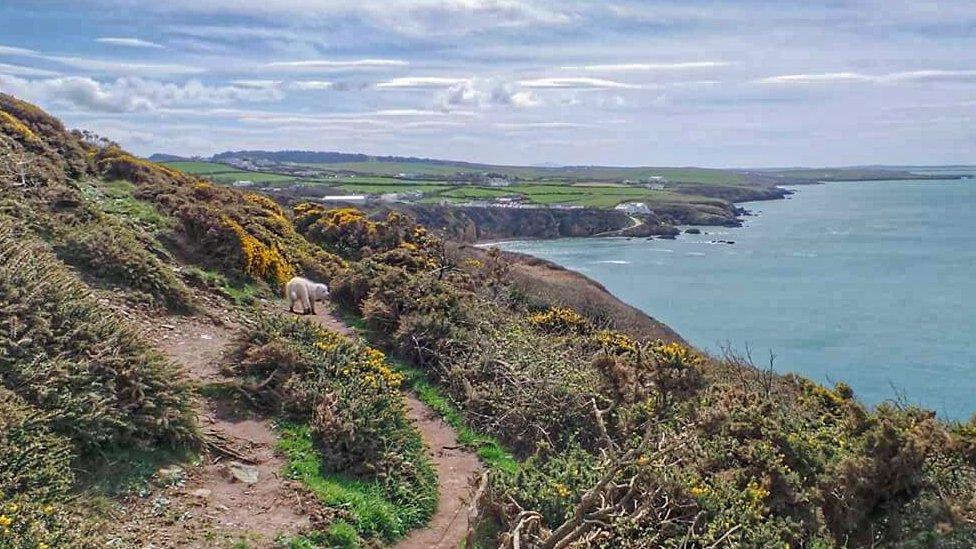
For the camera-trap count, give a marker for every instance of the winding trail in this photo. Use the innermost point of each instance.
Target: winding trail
(456, 466)
(636, 222)
(206, 505)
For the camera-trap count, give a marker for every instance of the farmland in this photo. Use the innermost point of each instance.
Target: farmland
(528, 186)
(222, 173)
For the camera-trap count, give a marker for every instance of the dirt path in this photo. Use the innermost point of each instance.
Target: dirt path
(456, 468)
(222, 501)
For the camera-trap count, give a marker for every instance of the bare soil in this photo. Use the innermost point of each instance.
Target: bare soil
(203, 505)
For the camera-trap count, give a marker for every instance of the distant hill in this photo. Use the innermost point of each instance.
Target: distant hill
(321, 157)
(163, 157)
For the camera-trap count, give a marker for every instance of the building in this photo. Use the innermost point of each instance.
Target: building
(633, 208)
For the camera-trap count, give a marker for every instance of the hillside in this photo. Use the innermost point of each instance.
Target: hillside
(152, 389)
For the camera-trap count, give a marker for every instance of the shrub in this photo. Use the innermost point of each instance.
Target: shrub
(559, 320)
(351, 399)
(111, 252)
(66, 354)
(35, 480)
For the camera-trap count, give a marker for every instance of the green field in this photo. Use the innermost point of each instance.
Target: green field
(569, 174)
(222, 173)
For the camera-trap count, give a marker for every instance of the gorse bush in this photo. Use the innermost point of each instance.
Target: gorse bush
(111, 252)
(351, 399)
(241, 234)
(67, 355)
(35, 481)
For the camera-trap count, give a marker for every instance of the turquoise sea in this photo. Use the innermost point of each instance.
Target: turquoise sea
(871, 283)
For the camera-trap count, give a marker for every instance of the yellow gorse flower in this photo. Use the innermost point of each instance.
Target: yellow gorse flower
(558, 318)
(616, 342)
(260, 261)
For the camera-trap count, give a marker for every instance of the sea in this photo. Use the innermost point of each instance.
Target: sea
(872, 283)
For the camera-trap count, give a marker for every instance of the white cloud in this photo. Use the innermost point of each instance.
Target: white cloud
(126, 95)
(925, 75)
(538, 125)
(575, 83)
(642, 67)
(12, 50)
(20, 70)
(412, 18)
(327, 65)
(307, 85)
(101, 66)
(422, 82)
(820, 78)
(129, 42)
(482, 93)
(257, 84)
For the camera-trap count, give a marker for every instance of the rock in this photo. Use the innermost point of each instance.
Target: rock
(667, 237)
(170, 474)
(248, 474)
(200, 493)
(693, 230)
(206, 336)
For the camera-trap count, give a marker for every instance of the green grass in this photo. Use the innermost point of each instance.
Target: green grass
(222, 173)
(116, 198)
(373, 515)
(577, 173)
(199, 168)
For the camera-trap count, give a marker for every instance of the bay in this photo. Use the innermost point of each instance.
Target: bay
(870, 283)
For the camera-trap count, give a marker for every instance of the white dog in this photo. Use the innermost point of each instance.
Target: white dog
(304, 291)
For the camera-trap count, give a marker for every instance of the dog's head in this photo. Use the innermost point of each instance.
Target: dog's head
(321, 292)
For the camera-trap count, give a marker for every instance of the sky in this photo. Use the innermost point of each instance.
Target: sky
(737, 83)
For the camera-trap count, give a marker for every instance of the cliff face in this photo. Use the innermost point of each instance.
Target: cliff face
(473, 224)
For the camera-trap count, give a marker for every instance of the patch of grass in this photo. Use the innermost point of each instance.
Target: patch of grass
(373, 515)
(117, 198)
(241, 293)
(493, 454)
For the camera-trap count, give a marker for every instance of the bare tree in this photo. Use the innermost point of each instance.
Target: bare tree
(14, 169)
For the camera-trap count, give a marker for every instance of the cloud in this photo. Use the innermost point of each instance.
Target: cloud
(306, 85)
(327, 65)
(106, 66)
(257, 84)
(100, 66)
(643, 67)
(12, 50)
(820, 78)
(20, 70)
(927, 75)
(412, 18)
(422, 82)
(538, 125)
(485, 93)
(129, 42)
(579, 83)
(127, 95)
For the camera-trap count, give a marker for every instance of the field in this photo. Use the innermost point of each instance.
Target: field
(569, 173)
(593, 187)
(222, 173)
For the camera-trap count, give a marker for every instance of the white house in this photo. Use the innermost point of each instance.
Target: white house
(633, 208)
